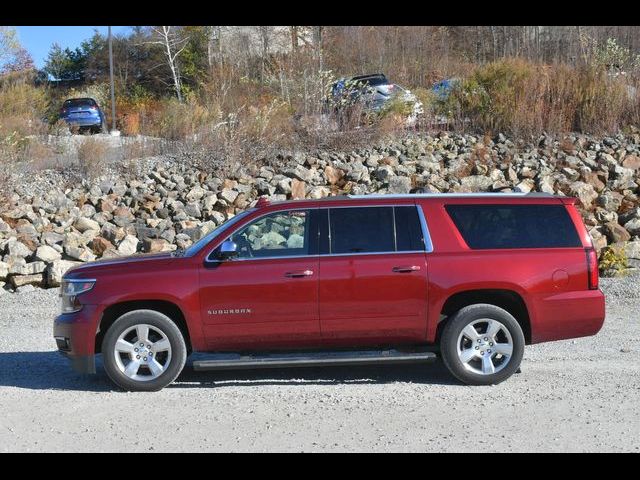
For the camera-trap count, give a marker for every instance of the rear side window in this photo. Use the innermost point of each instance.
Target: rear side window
(373, 230)
(408, 229)
(361, 230)
(514, 226)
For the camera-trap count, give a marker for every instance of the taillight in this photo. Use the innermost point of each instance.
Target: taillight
(592, 268)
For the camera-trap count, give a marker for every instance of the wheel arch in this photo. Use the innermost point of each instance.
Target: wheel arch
(115, 311)
(509, 300)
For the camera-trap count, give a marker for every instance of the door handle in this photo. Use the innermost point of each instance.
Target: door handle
(299, 273)
(406, 268)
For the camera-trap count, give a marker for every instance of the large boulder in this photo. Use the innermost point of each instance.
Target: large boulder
(399, 184)
(47, 254)
(56, 270)
(584, 192)
(20, 280)
(616, 232)
(82, 224)
(128, 246)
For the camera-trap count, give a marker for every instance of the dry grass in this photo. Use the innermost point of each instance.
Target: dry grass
(524, 98)
(92, 157)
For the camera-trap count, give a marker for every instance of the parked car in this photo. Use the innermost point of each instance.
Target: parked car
(373, 93)
(343, 280)
(84, 114)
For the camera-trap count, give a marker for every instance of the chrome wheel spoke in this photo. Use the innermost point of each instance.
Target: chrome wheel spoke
(470, 333)
(142, 331)
(132, 369)
(123, 346)
(467, 355)
(487, 365)
(505, 349)
(155, 367)
(493, 328)
(161, 346)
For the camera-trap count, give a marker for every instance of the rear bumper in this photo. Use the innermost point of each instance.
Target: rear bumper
(568, 315)
(75, 335)
(84, 122)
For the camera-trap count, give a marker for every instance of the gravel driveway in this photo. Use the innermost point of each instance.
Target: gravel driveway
(575, 395)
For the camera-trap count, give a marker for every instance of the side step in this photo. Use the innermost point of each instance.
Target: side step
(239, 362)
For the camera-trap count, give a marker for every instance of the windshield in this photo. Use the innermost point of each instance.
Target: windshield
(196, 247)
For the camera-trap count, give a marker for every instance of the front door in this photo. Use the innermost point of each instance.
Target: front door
(373, 281)
(266, 297)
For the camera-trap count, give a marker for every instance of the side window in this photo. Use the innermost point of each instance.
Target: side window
(278, 234)
(408, 229)
(514, 226)
(361, 230)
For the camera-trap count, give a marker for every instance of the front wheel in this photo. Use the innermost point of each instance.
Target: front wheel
(143, 350)
(482, 345)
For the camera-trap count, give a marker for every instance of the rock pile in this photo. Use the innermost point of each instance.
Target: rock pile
(173, 205)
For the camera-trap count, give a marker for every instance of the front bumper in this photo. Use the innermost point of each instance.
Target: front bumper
(75, 335)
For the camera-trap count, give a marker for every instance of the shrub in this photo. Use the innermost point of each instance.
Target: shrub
(613, 261)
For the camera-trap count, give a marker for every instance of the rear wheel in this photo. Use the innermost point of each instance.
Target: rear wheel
(143, 351)
(482, 345)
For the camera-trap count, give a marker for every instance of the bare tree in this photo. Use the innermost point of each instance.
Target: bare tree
(173, 43)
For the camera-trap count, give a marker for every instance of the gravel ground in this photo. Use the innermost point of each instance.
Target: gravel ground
(576, 395)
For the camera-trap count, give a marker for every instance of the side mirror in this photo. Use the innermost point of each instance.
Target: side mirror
(227, 250)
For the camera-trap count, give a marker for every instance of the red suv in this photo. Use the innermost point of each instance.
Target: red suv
(343, 280)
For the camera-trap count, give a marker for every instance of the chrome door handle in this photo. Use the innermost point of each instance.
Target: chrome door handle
(299, 273)
(406, 268)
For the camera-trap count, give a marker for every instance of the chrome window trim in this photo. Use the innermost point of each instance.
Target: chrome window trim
(324, 255)
(426, 236)
(423, 224)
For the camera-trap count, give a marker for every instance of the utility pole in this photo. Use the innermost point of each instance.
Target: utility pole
(113, 91)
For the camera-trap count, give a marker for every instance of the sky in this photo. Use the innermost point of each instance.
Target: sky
(38, 40)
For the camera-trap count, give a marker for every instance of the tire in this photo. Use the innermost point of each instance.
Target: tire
(132, 366)
(486, 357)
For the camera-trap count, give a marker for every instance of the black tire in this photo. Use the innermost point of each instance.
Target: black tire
(165, 325)
(451, 334)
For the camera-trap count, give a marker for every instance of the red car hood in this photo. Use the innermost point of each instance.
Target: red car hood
(98, 265)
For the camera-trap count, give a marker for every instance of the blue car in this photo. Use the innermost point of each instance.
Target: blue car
(444, 88)
(83, 114)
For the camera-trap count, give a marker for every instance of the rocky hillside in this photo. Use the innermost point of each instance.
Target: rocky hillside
(50, 221)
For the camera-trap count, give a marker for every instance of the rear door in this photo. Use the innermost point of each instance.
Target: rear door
(373, 275)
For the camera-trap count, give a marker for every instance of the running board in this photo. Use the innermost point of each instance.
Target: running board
(239, 362)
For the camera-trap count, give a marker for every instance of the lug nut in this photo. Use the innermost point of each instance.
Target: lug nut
(148, 346)
(486, 339)
(136, 349)
(145, 359)
(481, 353)
(150, 354)
(477, 347)
(489, 351)
(138, 356)
(491, 344)
(479, 340)
(142, 344)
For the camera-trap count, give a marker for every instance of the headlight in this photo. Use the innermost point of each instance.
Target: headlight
(69, 291)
